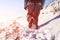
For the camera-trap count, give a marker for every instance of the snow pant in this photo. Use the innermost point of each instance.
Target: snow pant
(32, 15)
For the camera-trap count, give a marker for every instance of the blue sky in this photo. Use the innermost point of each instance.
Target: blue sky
(14, 7)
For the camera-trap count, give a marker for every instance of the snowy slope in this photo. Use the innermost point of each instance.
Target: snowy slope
(49, 22)
(49, 31)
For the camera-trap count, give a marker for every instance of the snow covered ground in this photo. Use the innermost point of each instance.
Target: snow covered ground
(49, 22)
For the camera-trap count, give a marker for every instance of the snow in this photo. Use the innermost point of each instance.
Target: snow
(16, 28)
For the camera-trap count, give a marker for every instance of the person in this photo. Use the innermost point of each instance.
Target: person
(33, 7)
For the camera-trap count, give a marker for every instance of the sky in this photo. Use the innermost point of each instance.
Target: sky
(14, 8)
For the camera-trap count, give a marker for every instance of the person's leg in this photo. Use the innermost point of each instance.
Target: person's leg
(36, 14)
(30, 15)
